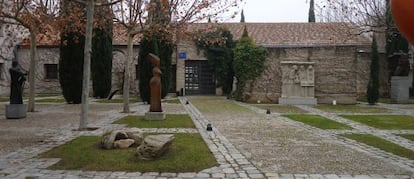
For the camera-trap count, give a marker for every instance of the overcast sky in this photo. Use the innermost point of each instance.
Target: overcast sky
(274, 11)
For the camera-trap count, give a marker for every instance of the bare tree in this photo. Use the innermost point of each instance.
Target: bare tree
(135, 17)
(35, 16)
(368, 15)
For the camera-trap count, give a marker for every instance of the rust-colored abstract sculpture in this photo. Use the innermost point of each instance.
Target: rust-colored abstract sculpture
(155, 84)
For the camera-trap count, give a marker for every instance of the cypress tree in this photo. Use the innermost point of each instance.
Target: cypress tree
(242, 19)
(71, 57)
(311, 17)
(373, 83)
(147, 45)
(157, 40)
(101, 59)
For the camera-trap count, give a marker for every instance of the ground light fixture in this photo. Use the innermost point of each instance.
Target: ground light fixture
(209, 127)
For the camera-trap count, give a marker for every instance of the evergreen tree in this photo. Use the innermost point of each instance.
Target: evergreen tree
(373, 84)
(242, 19)
(159, 41)
(101, 59)
(311, 17)
(71, 56)
(248, 63)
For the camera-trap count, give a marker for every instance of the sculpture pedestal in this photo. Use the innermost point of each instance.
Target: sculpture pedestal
(400, 89)
(16, 111)
(154, 116)
(297, 101)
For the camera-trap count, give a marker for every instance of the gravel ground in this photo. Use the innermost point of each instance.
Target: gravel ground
(282, 147)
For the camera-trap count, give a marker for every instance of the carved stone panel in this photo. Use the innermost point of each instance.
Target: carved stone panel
(298, 80)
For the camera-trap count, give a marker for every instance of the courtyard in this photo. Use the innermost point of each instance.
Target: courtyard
(246, 141)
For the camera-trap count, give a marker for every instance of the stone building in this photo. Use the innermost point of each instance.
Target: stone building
(340, 61)
(340, 58)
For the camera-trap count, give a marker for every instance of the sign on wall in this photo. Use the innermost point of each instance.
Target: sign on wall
(182, 55)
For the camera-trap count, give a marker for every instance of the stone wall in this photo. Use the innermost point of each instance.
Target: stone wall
(50, 55)
(335, 74)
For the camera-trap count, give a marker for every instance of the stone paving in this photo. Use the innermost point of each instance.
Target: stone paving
(233, 162)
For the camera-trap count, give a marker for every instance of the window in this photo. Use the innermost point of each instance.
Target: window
(51, 71)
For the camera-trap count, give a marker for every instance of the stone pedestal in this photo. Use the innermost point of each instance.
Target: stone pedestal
(400, 89)
(16, 111)
(154, 116)
(297, 101)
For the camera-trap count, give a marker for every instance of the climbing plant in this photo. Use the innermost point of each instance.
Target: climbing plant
(248, 63)
(217, 47)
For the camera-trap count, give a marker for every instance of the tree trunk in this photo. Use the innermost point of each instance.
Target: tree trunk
(32, 72)
(126, 84)
(86, 66)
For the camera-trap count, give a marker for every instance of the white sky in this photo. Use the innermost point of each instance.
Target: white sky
(274, 11)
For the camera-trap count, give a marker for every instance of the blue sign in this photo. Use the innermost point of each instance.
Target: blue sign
(182, 55)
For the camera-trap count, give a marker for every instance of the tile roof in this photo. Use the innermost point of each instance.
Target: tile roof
(295, 34)
(265, 34)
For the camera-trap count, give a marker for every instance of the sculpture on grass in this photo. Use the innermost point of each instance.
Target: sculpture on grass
(155, 84)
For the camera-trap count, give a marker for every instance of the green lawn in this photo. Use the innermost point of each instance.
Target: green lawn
(217, 105)
(4, 99)
(171, 121)
(384, 121)
(280, 108)
(51, 100)
(188, 153)
(381, 144)
(118, 100)
(350, 109)
(384, 100)
(318, 121)
(408, 136)
(172, 101)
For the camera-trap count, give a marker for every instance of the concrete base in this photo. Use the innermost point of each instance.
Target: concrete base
(154, 116)
(400, 86)
(297, 101)
(16, 111)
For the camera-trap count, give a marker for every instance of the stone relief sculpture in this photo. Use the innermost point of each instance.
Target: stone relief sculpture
(298, 80)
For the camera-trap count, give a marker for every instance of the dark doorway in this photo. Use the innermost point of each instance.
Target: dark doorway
(199, 78)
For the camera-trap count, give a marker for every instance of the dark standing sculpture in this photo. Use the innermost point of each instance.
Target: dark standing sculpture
(17, 78)
(155, 84)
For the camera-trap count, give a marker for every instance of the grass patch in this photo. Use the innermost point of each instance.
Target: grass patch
(51, 100)
(318, 121)
(188, 153)
(171, 121)
(384, 100)
(407, 136)
(384, 121)
(381, 144)
(210, 104)
(172, 101)
(118, 100)
(4, 99)
(280, 108)
(350, 109)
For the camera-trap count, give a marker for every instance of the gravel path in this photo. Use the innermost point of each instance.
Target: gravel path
(282, 146)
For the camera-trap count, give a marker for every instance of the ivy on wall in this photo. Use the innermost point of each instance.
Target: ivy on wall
(248, 63)
(217, 47)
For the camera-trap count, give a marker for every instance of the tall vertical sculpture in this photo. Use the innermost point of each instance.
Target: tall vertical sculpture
(155, 111)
